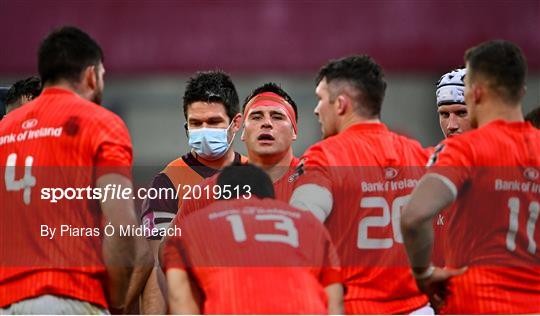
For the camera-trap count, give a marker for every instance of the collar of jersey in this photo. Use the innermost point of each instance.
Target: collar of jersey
(519, 125)
(56, 90)
(375, 127)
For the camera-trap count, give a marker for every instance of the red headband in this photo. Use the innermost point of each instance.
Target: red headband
(272, 99)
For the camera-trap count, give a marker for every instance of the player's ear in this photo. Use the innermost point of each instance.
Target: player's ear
(236, 123)
(342, 103)
(478, 92)
(90, 77)
(294, 136)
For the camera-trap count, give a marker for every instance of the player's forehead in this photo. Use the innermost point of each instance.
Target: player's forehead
(267, 110)
(451, 108)
(322, 87)
(203, 111)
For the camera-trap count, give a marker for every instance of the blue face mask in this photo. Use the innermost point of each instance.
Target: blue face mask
(209, 143)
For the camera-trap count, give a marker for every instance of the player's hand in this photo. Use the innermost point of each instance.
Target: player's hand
(435, 286)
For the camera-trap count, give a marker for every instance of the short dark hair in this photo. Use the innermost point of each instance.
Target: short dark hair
(29, 87)
(212, 86)
(502, 63)
(362, 73)
(65, 53)
(534, 117)
(274, 88)
(3, 91)
(247, 178)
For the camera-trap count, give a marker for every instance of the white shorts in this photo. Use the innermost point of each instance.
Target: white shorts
(425, 310)
(51, 304)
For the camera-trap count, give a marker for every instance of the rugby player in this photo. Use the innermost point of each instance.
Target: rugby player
(22, 92)
(492, 174)
(211, 110)
(452, 110)
(454, 120)
(270, 128)
(251, 254)
(356, 180)
(64, 139)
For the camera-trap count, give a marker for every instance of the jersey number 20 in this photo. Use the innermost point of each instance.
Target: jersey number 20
(365, 242)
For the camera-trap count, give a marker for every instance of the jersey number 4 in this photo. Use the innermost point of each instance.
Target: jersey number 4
(26, 182)
(534, 209)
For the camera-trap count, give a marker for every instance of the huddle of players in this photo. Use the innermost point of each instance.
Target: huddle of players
(373, 264)
(263, 255)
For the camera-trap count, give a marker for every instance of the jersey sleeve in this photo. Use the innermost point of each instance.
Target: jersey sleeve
(331, 271)
(452, 162)
(315, 168)
(173, 254)
(313, 190)
(157, 213)
(111, 144)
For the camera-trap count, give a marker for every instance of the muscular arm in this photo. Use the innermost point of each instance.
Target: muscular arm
(128, 259)
(181, 298)
(157, 213)
(153, 299)
(432, 194)
(335, 299)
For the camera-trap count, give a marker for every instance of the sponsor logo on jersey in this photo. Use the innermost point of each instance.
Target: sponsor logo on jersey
(28, 124)
(531, 174)
(390, 173)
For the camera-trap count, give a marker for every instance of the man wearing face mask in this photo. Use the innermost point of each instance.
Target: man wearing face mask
(270, 128)
(211, 110)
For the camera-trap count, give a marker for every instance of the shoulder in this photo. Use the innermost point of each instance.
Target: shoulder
(100, 115)
(414, 147)
(320, 152)
(180, 171)
(178, 162)
(457, 150)
(413, 143)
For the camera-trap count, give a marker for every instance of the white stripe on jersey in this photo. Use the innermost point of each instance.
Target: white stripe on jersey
(314, 198)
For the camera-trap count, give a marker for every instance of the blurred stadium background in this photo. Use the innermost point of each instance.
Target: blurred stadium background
(152, 47)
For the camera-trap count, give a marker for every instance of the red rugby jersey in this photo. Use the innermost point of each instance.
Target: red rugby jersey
(283, 189)
(495, 173)
(255, 257)
(59, 140)
(370, 172)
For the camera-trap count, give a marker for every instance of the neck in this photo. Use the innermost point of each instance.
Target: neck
(220, 163)
(274, 165)
(353, 119)
(499, 111)
(62, 85)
